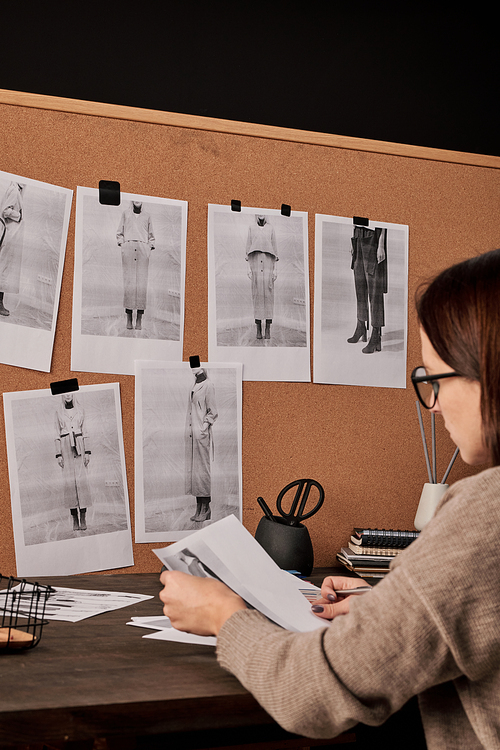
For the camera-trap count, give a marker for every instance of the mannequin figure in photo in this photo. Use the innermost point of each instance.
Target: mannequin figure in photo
(201, 414)
(73, 456)
(262, 255)
(369, 263)
(136, 239)
(11, 241)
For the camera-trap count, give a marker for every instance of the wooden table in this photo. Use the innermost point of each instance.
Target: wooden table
(99, 678)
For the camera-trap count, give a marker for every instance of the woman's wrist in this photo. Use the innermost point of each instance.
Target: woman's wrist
(226, 610)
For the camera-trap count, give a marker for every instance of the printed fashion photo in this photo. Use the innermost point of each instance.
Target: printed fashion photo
(361, 301)
(67, 476)
(258, 290)
(188, 447)
(34, 219)
(129, 280)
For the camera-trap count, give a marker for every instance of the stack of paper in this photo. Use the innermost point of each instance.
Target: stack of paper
(227, 551)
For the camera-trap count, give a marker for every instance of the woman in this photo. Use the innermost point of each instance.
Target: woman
(136, 239)
(73, 456)
(369, 264)
(431, 627)
(11, 241)
(201, 415)
(262, 255)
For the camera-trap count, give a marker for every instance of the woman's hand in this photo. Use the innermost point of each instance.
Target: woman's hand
(60, 461)
(197, 605)
(332, 604)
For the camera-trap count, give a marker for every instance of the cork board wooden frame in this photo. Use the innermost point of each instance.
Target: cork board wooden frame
(363, 444)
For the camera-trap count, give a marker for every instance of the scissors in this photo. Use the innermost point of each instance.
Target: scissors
(294, 516)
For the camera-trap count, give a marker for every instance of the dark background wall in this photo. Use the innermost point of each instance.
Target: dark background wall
(423, 78)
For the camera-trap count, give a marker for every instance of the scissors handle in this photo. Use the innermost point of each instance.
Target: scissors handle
(293, 516)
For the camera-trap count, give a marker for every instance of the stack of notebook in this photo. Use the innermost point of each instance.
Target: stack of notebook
(370, 551)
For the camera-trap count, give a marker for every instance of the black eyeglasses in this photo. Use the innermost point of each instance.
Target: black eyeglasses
(427, 386)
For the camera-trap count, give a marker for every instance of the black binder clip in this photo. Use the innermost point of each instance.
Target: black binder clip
(194, 362)
(235, 205)
(109, 193)
(64, 386)
(286, 210)
(360, 221)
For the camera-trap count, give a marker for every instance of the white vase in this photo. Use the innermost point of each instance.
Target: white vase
(429, 499)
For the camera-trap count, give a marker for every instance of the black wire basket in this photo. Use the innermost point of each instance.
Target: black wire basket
(22, 608)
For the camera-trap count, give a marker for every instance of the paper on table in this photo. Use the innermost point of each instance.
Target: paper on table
(231, 553)
(73, 605)
(176, 635)
(166, 632)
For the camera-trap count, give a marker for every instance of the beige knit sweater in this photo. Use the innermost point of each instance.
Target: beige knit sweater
(431, 628)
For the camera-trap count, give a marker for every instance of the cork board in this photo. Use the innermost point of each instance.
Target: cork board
(362, 444)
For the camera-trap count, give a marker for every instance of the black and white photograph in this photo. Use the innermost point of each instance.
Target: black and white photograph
(361, 302)
(34, 219)
(68, 480)
(130, 267)
(258, 301)
(188, 426)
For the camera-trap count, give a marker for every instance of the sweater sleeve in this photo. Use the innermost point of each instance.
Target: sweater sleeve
(361, 668)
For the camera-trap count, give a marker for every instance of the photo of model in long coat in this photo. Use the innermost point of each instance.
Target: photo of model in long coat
(73, 456)
(201, 415)
(136, 239)
(262, 255)
(11, 241)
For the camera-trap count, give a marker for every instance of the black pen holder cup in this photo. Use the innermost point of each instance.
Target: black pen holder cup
(289, 546)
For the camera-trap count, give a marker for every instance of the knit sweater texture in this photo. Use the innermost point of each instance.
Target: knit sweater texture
(430, 628)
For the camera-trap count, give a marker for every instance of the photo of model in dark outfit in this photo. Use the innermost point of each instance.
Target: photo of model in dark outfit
(369, 263)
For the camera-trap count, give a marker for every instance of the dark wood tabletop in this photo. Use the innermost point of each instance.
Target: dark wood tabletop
(101, 678)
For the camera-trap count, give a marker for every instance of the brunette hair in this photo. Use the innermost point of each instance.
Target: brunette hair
(460, 313)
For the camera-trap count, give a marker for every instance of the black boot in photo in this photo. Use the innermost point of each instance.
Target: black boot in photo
(375, 343)
(74, 513)
(3, 309)
(83, 522)
(198, 509)
(359, 333)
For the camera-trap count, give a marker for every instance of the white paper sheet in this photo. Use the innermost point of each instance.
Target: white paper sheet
(33, 234)
(232, 310)
(101, 340)
(164, 631)
(231, 553)
(335, 309)
(73, 605)
(163, 507)
(45, 540)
